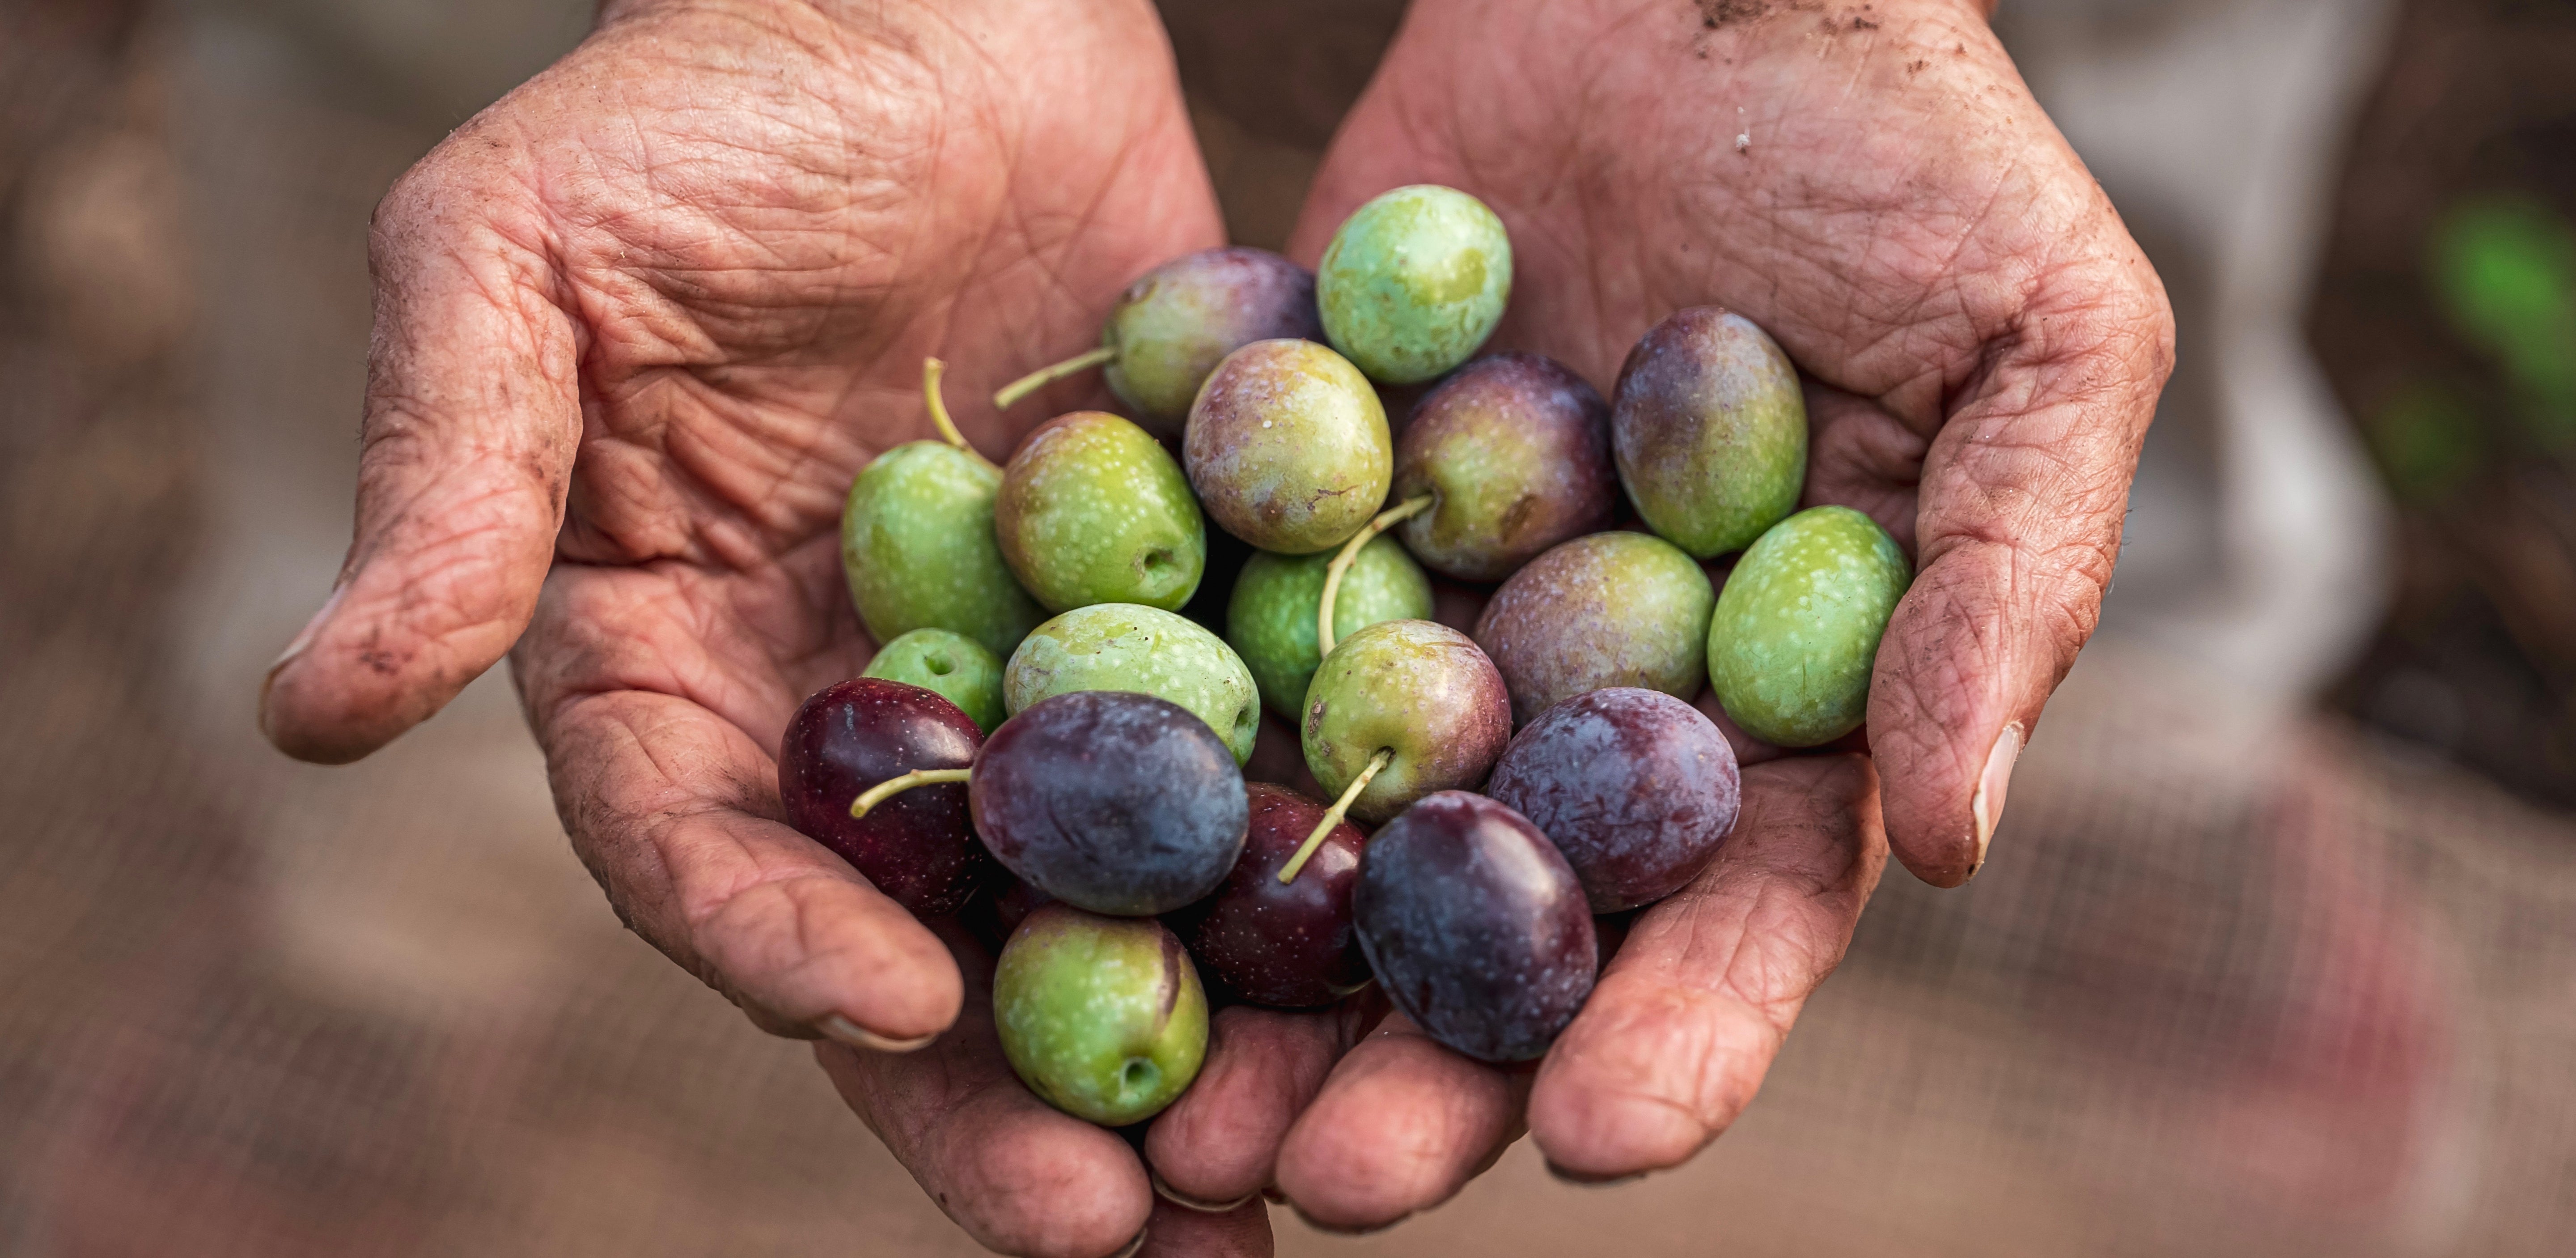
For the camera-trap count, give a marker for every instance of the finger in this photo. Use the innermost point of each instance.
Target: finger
(1019, 1176)
(1178, 1231)
(1690, 1013)
(646, 689)
(2024, 490)
(1400, 1126)
(471, 423)
(1219, 1144)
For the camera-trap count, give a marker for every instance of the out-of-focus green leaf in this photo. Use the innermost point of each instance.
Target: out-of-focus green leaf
(2506, 272)
(2427, 440)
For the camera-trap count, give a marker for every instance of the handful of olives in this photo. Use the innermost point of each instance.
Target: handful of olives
(1085, 771)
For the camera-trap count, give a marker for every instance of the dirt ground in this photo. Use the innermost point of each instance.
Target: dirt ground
(2234, 983)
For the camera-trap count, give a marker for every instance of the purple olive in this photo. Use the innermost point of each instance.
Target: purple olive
(1710, 431)
(1110, 801)
(1612, 609)
(1475, 926)
(1515, 451)
(1289, 944)
(1637, 788)
(915, 847)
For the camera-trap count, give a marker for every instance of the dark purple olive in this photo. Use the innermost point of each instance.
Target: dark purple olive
(1287, 945)
(1515, 451)
(915, 847)
(1475, 926)
(1637, 789)
(1111, 801)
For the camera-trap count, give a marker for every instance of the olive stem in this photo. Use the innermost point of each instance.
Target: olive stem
(1333, 815)
(1385, 520)
(931, 370)
(1010, 394)
(900, 783)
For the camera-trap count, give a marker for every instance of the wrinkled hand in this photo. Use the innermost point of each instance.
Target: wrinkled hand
(1983, 346)
(637, 327)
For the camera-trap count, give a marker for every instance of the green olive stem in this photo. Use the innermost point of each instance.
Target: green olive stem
(1333, 815)
(900, 783)
(1011, 393)
(1385, 520)
(931, 370)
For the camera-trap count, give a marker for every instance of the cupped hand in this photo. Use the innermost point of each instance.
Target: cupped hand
(637, 327)
(1983, 346)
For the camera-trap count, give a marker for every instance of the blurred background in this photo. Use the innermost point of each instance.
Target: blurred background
(2276, 953)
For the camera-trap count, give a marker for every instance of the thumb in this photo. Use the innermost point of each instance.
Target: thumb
(471, 423)
(2023, 494)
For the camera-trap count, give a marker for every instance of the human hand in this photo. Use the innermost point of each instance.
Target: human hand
(1982, 345)
(638, 325)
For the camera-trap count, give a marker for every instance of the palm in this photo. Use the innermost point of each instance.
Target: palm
(1982, 346)
(756, 288)
(639, 325)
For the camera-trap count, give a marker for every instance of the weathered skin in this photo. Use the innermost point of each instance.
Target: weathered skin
(1287, 945)
(1710, 431)
(1176, 322)
(1637, 788)
(918, 548)
(1101, 1016)
(1797, 626)
(952, 665)
(1123, 646)
(1476, 927)
(1418, 688)
(1414, 281)
(1611, 609)
(1271, 620)
(1288, 447)
(1093, 510)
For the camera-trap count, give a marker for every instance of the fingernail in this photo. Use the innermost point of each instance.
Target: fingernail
(1991, 786)
(1591, 1181)
(1133, 1247)
(1163, 1189)
(303, 638)
(841, 1030)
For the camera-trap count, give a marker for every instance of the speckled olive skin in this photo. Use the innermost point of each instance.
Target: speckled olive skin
(1419, 688)
(1113, 802)
(1288, 448)
(1414, 281)
(1710, 431)
(1797, 626)
(1093, 510)
(1288, 945)
(955, 666)
(915, 847)
(1515, 450)
(1102, 1017)
(1176, 322)
(1638, 789)
(1271, 620)
(1476, 927)
(918, 548)
(1122, 646)
(1611, 609)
